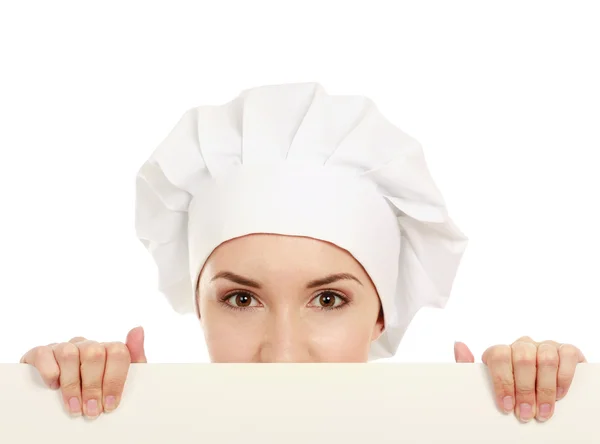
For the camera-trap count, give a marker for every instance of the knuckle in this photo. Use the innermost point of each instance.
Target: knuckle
(524, 353)
(547, 356)
(114, 385)
(507, 388)
(41, 353)
(568, 351)
(500, 354)
(67, 351)
(525, 360)
(564, 377)
(504, 383)
(71, 387)
(77, 339)
(526, 391)
(93, 386)
(546, 392)
(525, 339)
(118, 351)
(93, 352)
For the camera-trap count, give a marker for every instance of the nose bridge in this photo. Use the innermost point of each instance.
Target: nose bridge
(285, 337)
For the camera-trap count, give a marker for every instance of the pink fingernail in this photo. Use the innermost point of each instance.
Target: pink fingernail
(74, 406)
(525, 412)
(545, 410)
(92, 408)
(109, 403)
(560, 392)
(508, 403)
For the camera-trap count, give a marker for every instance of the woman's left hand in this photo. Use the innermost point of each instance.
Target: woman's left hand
(528, 376)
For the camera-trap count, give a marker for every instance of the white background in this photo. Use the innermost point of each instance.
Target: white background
(503, 96)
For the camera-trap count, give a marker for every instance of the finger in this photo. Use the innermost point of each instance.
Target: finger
(135, 344)
(499, 362)
(117, 368)
(67, 357)
(462, 354)
(42, 358)
(569, 357)
(547, 370)
(93, 361)
(524, 356)
(553, 343)
(526, 339)
(77, 340)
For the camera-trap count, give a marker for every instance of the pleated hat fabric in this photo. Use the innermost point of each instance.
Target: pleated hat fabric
(292, 159)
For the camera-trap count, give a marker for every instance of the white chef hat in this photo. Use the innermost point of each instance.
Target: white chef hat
(293, 160)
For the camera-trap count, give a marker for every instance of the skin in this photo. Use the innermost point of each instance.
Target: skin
(285, 316)
(290, 316)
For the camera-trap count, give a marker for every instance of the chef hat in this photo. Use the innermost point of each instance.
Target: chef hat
(293, 160)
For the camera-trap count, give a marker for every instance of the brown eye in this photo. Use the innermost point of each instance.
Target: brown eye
(241, 300)
(328, 300)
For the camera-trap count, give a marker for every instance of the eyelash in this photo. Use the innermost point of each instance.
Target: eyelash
(228, 296)
(223, 300)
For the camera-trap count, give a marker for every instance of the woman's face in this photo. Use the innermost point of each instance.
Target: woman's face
(272, 298)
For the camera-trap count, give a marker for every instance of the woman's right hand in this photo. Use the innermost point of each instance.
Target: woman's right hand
(91, 375)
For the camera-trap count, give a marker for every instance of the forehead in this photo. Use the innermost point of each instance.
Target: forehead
(273, 251)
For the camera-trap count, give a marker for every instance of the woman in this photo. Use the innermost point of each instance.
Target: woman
(300, 227)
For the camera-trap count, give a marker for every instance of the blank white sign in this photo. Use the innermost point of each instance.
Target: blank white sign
(296, 403)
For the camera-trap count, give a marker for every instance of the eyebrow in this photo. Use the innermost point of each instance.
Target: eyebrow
(241, 280)
(327, 280)
(331, 279)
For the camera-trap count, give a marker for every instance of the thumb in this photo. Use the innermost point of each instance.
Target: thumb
(135, 344)
(462, 354)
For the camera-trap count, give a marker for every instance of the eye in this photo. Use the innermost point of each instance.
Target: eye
(328, 300)
(241, 300)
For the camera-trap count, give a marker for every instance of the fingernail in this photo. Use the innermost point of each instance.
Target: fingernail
(508, 403)
(74, 406)
(560, 392)
(545, 411)
(92, 408)
(525, 412)
(109, 403)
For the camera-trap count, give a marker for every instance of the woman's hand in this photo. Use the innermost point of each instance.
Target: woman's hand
(91, 375)
(528, 376)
